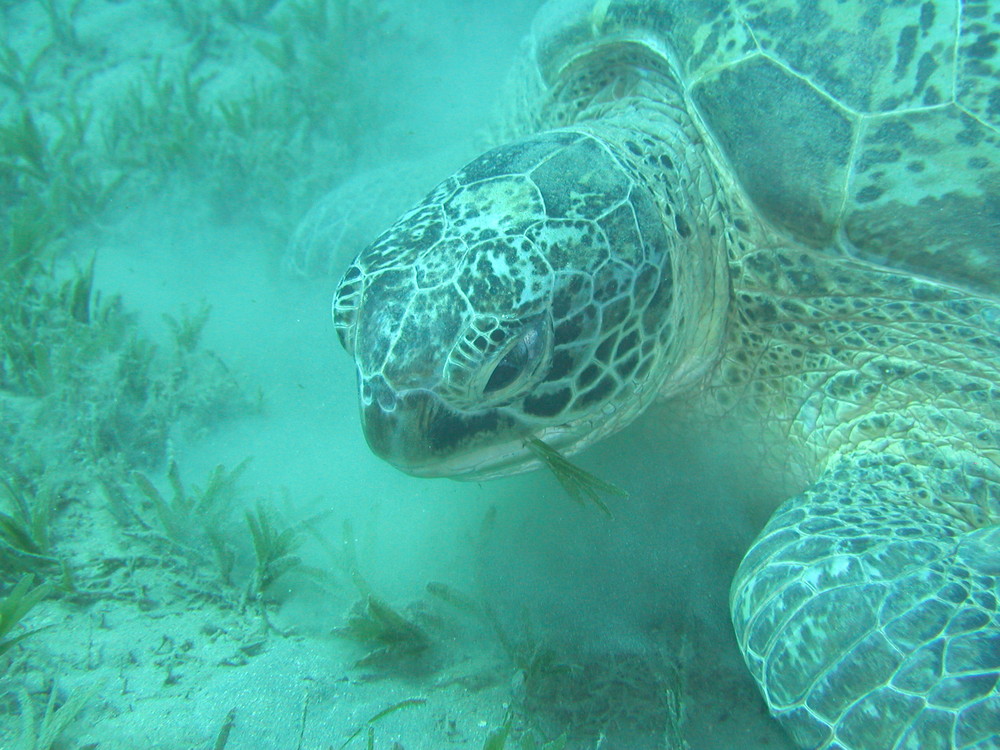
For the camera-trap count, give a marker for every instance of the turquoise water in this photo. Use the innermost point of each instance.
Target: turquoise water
(305, 594)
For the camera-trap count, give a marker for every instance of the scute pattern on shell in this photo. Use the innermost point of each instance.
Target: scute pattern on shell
(357, 209)
(866, 129)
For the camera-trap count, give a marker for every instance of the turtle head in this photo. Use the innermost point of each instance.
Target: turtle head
(529, 295)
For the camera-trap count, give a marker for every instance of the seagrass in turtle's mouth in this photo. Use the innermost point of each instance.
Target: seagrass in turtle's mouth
(417, 433)
(422, 436)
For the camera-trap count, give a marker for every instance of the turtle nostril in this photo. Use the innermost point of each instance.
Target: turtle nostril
(386, 399)
(375, 390)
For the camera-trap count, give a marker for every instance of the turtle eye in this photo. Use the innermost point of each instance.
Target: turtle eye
(508, 369)
(520, 361)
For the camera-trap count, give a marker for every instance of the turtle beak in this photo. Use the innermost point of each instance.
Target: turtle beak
(393, 434)
(419, 434)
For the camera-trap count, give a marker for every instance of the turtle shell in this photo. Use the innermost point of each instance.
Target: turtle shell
(353, 213)
(869, 129)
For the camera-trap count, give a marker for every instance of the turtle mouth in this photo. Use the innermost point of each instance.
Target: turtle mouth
(488, 463)
(422, 436)
(491, 462)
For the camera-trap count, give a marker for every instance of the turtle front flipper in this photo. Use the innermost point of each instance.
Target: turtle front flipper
(868, 614)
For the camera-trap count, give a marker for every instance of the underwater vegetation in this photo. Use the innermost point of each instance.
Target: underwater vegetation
(293, 122)
(582, 486)
(14, 607)
(102, 387)
(18, 74)
(90, 401)
(291, 117)
(394, 642)
(192, 520)
(36, 731)
(274, 551)
(24, 527)
(77, 373)
(559, 697)
(42, 730)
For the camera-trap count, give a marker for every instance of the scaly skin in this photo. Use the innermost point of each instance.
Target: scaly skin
(867, 608)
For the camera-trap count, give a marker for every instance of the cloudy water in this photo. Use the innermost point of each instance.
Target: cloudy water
(197, 547)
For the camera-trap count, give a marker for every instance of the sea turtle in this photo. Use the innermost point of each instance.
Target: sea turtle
(782, 214)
